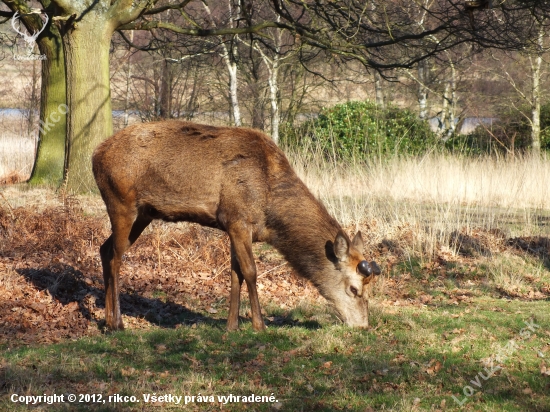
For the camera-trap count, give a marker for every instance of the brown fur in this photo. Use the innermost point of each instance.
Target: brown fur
(234, 179)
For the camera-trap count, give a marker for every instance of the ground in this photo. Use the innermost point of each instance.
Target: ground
(439, 323)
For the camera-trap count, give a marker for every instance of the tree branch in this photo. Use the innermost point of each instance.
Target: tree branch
(201, 32)
(179, 6)
(126, 11)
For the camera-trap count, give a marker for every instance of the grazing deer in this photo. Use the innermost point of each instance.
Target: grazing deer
(236, 180)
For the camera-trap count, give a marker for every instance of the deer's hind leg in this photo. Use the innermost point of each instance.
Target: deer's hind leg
(126, 229)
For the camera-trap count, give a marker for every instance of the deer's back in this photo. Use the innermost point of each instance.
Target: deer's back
(184, 171)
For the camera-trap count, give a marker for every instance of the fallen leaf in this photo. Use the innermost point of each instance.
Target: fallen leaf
(400, 358)
(128, 372)
(436, 367)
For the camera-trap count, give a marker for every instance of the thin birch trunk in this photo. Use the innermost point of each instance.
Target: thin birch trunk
(231, 64)
(422, 90)
(379, 91)
(535, 107)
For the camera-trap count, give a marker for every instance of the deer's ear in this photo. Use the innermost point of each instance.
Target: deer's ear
(341, 246)
(357, 242)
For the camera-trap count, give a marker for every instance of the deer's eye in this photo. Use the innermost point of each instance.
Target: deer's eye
(353, 290)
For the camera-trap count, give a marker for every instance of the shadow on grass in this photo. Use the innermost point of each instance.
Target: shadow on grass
(537, 246)
(303, 379)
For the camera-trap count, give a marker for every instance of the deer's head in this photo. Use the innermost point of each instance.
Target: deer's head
(346, 285)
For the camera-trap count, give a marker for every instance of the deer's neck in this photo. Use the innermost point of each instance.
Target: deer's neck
(301, 229)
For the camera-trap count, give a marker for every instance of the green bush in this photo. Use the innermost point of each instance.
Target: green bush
(362, 130)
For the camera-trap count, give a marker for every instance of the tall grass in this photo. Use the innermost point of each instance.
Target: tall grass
(428, 200)
(17, 147)
(16, 156)
(423, 200)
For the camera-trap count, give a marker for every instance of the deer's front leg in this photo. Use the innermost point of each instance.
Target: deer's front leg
(241, 244)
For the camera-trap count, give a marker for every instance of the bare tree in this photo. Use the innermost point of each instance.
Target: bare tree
(228, 51)
(382, 38)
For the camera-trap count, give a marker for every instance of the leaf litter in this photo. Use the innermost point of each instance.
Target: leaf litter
(51, 279)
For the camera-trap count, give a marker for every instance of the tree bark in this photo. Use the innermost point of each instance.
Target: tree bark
(89, 119)
(50, 157)
(49, 161)
(235, 109)
(452, 103)
(274, 98)
(166, 91)
(256, 90)
(128, 81)
(449, 106)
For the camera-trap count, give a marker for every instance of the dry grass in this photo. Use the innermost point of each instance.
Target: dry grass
(433, 201)
(441, 181)
(17, 149)
(16, 157)
(424, 202)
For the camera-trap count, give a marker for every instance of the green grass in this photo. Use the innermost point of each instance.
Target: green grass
(413, 358)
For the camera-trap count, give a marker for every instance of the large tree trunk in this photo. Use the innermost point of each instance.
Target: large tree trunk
(88, 96)
(49, 163)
